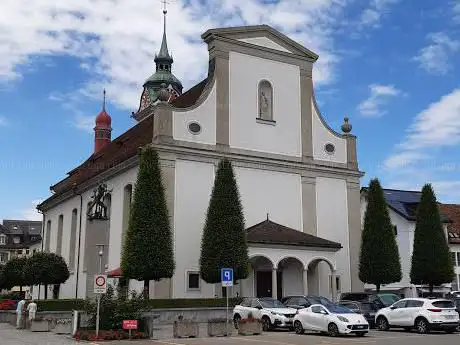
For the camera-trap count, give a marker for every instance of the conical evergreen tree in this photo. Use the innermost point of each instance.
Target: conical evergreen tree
(148, 250)
(431, 260)
(379, 261)
(223, 243)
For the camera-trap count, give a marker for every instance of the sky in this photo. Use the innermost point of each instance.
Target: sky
(391, 66)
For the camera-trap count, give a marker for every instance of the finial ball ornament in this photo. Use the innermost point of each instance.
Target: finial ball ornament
(346, 126)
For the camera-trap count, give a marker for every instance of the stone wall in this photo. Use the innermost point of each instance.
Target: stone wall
(158, 316)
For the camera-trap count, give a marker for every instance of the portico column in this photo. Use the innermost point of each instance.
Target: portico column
(334, 287)
(274, 284)
(305, 282)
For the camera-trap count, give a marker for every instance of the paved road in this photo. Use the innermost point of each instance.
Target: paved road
(11, 336)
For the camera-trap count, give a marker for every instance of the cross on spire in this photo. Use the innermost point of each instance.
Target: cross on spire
(164, 2)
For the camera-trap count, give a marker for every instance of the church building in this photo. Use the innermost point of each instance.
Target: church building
(298, 178)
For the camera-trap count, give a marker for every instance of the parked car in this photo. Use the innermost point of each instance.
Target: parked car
(333, 319)
(299, 301)
(379, 299)
(457, 308)
(272, 312)
(423, 314)
(367, 309)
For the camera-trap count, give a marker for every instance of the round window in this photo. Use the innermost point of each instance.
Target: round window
(194, 127)
(329, 148)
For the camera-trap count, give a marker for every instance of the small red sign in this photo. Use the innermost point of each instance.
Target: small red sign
(129, 324)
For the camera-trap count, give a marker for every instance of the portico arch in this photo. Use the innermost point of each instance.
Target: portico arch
(290, 272)
(321, 276)
(263, 272)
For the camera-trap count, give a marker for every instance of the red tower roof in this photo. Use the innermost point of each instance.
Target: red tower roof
(103, 119)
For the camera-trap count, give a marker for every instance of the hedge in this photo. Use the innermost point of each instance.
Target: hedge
(71, 304)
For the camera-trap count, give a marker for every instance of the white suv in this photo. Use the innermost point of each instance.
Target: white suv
(272, 312)
(423, 314)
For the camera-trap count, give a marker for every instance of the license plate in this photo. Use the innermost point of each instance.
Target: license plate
(361, 327)
(449, 316)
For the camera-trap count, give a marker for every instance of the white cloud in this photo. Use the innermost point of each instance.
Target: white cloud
(31, 213)
(379, 96)
(116, 40)
(456, 11)
(403, 160)
(434, 128)
(85, 123)
(435, 58)
(3, 121)
(372, 15)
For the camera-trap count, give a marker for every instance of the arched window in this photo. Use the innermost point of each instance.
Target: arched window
(265, 100)
(73, 239)
(127, 200)
(59, 234)
(48, 236)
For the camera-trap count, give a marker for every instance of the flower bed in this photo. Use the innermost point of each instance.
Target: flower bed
(109, 335)
(8, 304)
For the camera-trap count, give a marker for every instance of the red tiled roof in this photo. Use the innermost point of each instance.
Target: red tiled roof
(268, 232)
(452, 212)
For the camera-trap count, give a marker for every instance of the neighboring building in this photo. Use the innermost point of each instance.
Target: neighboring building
(298, 178)
(402, 207)
(452, 212)
(19, 238)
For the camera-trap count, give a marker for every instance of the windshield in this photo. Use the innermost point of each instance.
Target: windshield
(319, 300)
(338, 309)
(271, 303)
(388, 299)
(444, 304)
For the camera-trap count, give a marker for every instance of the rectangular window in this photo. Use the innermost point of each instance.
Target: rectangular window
(458, 258)
(27, 251)
(20, 252)
(453, 258)
(3, 257)
(2, 239)
(193, 280)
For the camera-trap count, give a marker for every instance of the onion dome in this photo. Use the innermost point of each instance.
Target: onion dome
(103, 119)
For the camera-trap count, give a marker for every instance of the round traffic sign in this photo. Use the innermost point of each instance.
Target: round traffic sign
(100, 281)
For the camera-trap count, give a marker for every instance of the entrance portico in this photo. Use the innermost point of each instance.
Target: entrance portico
(285, 262)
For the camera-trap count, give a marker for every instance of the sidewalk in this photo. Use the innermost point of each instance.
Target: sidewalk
(12, 336)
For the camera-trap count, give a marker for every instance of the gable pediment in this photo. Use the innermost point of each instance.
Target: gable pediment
(262, 36)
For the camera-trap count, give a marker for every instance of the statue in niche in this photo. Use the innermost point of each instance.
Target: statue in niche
(265, 101)
(97, 208)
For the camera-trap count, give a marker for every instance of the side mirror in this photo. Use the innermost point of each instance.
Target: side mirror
(393, 307)
(259, 307)
(323, 312)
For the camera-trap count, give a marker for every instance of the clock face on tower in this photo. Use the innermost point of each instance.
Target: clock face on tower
(145, 99)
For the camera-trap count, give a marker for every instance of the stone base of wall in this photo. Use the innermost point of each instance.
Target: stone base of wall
(39, 326)
(186, 329)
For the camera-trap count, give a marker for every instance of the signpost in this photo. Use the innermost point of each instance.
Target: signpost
(227, 281)
(129, 325)
(100, 287)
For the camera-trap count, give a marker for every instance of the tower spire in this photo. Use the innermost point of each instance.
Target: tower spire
(103, 102)
(164, 53)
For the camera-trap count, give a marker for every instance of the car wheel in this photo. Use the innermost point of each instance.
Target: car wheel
(382, 324)
(332, 330)
(421, 325)
(266, 323)
(236, 320)
(298, 327)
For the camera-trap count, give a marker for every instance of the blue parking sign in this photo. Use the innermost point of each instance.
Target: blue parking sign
(227, 276)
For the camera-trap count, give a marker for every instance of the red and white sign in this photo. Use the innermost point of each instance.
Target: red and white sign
(129, 324)
(100, 283)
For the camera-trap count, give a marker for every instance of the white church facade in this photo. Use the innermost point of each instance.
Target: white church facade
(298, 179)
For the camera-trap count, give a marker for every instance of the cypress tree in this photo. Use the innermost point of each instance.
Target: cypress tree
(223, 243)
(148, 249)
(431, 260)
(379, 261)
